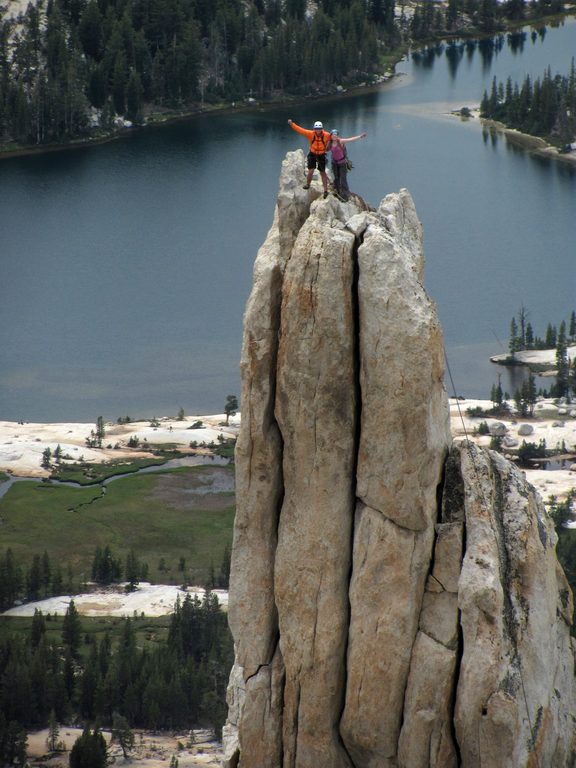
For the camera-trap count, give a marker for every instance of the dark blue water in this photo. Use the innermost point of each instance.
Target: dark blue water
(126, 266)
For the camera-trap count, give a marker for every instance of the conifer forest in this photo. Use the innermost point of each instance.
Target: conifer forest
(71, 68)
(544, 107)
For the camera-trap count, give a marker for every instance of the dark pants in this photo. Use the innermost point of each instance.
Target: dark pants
(341, 180)
(316, 161)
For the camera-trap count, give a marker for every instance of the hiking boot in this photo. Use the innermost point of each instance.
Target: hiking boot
(306, 186)
(325, 194)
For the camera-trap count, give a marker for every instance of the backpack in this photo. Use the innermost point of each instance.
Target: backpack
(347, 161)
(317, 138)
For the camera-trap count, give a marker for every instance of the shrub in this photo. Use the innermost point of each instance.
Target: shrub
(496, 443)
(475, 412)
(528, 451)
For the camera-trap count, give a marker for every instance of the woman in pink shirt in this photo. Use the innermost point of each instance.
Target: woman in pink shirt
(337, 146)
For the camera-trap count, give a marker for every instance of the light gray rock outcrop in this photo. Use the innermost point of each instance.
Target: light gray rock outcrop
(395, 601)
(515, 692)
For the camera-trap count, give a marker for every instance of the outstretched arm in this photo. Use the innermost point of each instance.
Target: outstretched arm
(354, 138)
(298, 129)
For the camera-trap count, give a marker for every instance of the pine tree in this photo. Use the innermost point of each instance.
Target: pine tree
(550, 340)
(496, 395)
(100, 431)
(224, 575)
(72, 629)
(522, 321)
(514, 343)
(529, 393)
(91, 30)
(122, 734)
(231, 407)
(37, 628)
(69, 674)
(57, 581)
(10, 580)
(13, 742)
(46, 458)
(134, 94)
(105, 567)
(88, 685)
(132, 570)
(529, 337)
(104, 654)
(521, 405)
(34, 579)
(89, 750)
(46, 575)
(53, 732)
(562, 363)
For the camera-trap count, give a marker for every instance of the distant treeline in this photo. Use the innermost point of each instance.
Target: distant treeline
(178, 684)
(89, 60)
(37, 580)
(522, 334)
(41, 578)
(544, 107)
(522, 337)
(71, 67)
(475, 17)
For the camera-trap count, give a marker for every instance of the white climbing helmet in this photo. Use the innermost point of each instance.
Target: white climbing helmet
(318, 124)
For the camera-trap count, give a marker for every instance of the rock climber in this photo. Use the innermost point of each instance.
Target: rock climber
(318, 139)
(337, 148)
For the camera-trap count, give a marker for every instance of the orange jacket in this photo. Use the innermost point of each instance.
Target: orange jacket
(317, 143)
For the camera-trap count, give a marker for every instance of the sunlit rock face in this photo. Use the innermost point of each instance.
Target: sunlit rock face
(395, 600)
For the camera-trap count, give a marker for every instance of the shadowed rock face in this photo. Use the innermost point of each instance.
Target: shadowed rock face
(395, 600)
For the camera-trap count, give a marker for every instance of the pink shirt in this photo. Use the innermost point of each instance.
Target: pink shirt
(338, 153)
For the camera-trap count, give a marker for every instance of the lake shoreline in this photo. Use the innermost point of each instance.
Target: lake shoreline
(535, 145)
(170, 117)
(537, 360)
(162, 119)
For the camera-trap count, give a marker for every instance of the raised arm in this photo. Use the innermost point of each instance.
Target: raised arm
(354, 138)
(298, 129)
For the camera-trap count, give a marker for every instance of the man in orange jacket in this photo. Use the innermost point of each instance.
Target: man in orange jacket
(318, 139)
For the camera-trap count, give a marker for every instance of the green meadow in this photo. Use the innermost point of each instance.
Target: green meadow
(148, 632)
(177, 521)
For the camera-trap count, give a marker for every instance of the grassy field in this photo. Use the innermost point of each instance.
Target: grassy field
(181, 513)
(91, 474)
(148, 632)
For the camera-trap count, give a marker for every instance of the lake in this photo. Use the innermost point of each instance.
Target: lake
(126, 266)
